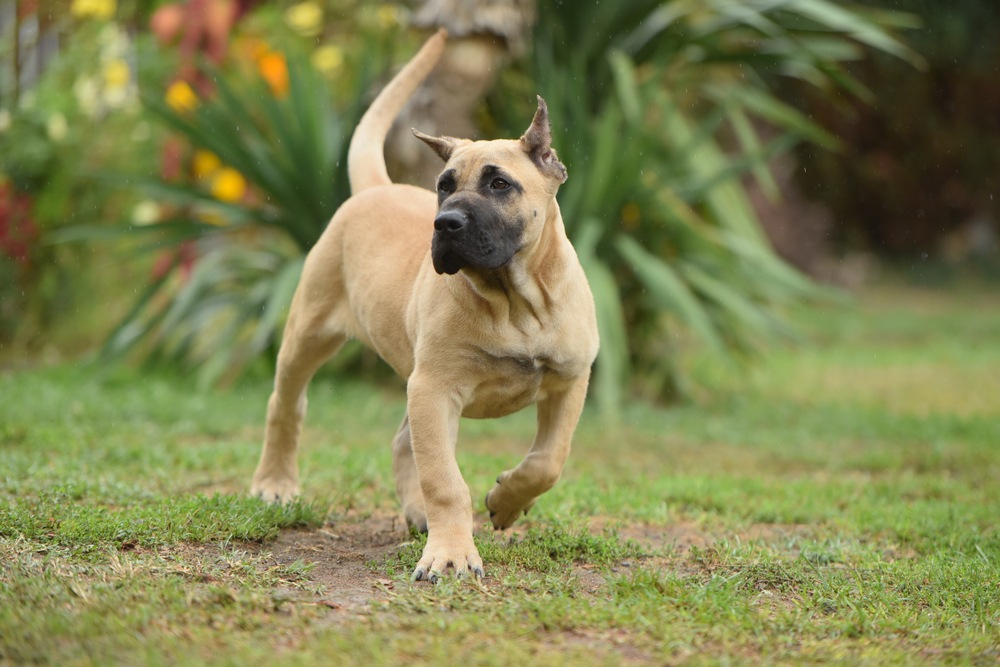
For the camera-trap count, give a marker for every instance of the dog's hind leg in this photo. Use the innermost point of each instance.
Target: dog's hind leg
(303, 351)
(404, 467)
(516, 490)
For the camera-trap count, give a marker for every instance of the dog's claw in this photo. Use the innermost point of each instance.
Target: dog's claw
(420, 574)
(444, 557)
(478, 571)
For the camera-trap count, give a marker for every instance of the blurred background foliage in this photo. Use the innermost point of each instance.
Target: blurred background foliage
(164, 167)
(660, 112)
(917, 174)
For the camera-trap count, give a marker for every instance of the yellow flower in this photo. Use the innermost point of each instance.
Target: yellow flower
(274, 69)
(181, 97)
(631, 215)
(87, 91)
(57, 127)
(116, 73)
(204, 164)
(98, 9)
(146, 212)
(305, 18)
(387, 16)
(327, 59)
(212, 218)
(229, 185)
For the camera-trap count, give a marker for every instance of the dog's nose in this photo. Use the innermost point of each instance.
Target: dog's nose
(450, 222)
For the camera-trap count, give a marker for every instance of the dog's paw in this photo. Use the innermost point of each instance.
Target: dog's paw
(457, 554)
(416, 518)
(504, 507)
(276, 491)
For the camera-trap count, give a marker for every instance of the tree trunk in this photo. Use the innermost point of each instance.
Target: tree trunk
(483, 36)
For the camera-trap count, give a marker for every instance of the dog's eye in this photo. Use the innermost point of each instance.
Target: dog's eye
(445, 187)
(499, 184)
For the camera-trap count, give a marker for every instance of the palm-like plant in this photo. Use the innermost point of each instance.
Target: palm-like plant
(657, 108)
(227, 307)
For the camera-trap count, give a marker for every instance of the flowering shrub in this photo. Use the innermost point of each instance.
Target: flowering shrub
(18, 235)
(111, 85)
(260, 151)
(18, 230)
(78, 116)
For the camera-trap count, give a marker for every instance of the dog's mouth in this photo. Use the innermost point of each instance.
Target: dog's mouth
(448, 261)
(473, 250)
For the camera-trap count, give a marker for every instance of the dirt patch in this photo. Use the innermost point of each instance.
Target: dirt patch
(337, 557)
(339, 554)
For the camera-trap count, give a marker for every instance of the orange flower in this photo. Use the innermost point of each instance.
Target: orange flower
(274, 69)
(250, 48)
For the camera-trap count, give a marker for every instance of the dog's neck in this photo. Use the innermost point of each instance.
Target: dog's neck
(520, 292)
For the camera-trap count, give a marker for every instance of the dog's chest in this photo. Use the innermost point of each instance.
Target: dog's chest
(512, 382)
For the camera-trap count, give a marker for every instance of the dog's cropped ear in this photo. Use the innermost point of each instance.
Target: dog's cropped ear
(537, 143)
(443, 146)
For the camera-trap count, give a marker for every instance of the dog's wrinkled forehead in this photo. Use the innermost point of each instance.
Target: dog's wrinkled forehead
(460, 176)
(470, 164)
(534, 148)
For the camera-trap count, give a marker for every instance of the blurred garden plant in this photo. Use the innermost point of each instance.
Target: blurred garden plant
(663, 113)
(75, 117)
(265, 168)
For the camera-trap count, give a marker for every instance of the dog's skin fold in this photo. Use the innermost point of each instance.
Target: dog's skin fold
(474, 295)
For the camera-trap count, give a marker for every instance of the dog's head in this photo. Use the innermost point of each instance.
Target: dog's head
(493, 196)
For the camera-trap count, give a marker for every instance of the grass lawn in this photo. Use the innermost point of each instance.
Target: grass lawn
(837, 502)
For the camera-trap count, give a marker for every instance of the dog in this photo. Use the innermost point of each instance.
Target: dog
(473, 295)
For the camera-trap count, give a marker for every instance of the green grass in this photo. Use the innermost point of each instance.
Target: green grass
(835, 503)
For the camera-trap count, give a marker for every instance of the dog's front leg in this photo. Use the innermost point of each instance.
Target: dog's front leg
(516, 490)
(434, 411)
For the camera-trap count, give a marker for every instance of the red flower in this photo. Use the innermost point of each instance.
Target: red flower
(18, 231)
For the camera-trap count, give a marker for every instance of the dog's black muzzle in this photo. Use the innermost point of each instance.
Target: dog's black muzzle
(449, 233)
(462, 240)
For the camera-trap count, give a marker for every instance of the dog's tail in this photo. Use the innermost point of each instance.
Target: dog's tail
(365, 157)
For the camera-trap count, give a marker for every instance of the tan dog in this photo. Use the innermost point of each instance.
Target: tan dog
(475, 296)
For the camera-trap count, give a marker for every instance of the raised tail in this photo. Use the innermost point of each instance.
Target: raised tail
(365, 157)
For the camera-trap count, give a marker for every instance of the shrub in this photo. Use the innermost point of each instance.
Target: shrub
(659, 109)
